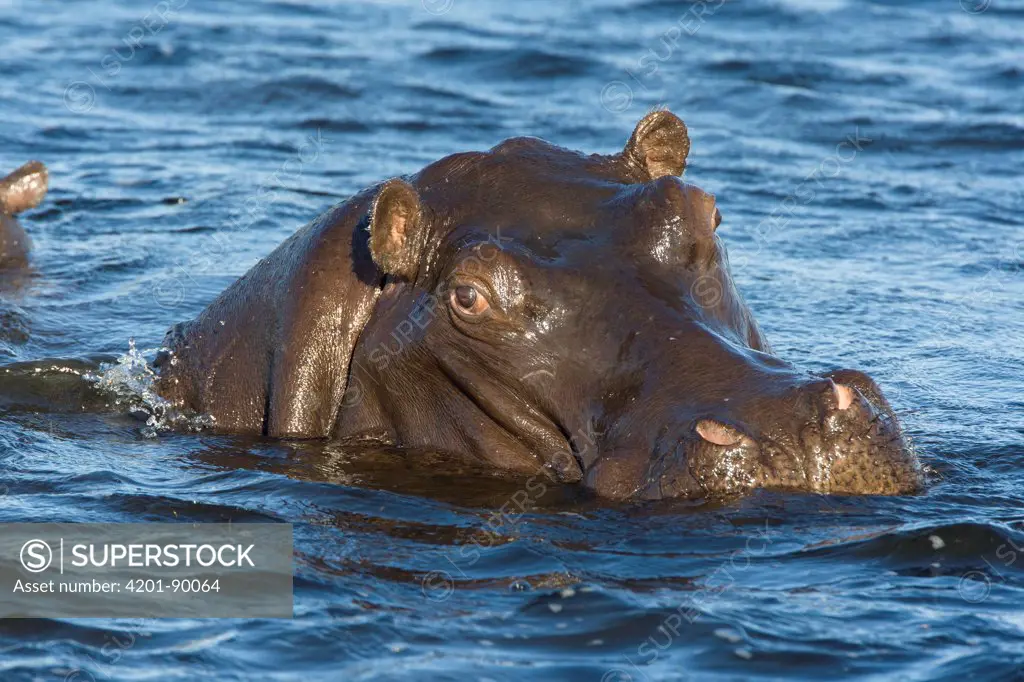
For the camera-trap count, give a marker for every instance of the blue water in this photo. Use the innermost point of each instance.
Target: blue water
(900, 252)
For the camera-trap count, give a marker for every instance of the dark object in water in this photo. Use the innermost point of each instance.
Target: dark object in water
(21, 190)
(536, 309)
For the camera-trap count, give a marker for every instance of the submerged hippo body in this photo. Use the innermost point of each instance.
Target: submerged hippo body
(21, 190)
(538, 309)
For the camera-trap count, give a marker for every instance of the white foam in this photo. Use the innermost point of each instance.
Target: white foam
(130, 381)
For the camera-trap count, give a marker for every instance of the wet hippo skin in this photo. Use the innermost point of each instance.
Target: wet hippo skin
(534, 308)
(20, 191)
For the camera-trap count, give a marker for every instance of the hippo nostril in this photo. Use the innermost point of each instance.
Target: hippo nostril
(717, 433)
(844, 396)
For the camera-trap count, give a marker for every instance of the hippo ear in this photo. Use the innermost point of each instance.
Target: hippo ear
(659, 145)
(395, 234)
(24, 188)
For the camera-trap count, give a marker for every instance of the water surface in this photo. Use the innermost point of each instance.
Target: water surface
(867, 158)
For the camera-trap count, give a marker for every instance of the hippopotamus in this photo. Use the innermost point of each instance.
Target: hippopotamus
(21, 190)
(534, 309)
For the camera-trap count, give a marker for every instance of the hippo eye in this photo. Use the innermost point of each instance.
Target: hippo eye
(468, 301)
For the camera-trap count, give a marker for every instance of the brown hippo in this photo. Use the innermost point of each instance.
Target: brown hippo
(536, 309)
(21, 190)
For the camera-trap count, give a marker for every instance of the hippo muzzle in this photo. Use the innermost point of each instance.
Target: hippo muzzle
(821, 436)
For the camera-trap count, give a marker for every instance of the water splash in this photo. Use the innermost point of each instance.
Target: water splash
(130, 380)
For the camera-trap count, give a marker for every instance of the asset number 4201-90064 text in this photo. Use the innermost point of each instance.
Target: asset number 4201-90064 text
(176, 585)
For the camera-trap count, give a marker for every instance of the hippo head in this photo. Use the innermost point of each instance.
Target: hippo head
(546, 309)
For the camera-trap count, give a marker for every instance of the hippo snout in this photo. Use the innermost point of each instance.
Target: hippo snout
(831, 435)
(844, 444)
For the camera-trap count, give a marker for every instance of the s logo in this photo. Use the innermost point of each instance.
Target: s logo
(36, 556)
